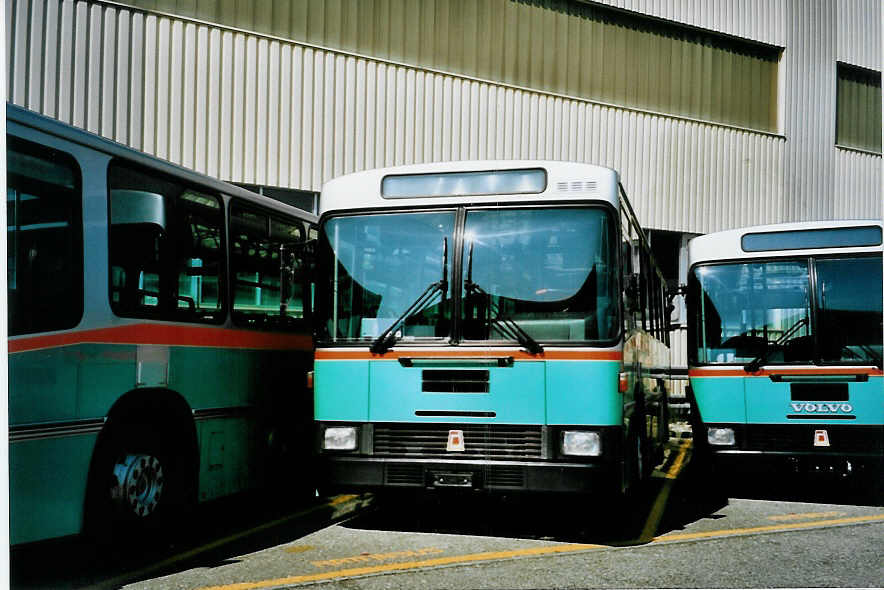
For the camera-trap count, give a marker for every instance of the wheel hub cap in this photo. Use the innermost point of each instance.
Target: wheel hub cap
(138, 483)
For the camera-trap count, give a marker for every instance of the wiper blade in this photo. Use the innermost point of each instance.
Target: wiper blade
(388, 337)
(505, 325)
(755, 364)
(874, 355)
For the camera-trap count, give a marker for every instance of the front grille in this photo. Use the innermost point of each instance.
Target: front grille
(481, 441)
(404, 475)
(800, 437)
(505, 477)
(455, 381)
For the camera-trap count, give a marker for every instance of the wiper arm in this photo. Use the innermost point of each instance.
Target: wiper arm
(506, 325)
(874, 355)
(388, 337)
(755, 364)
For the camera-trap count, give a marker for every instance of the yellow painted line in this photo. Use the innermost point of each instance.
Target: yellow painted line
(379, 556)
(408, 565)
(806, 515)
(677, 465)
(529, 552)
(659, 507)
(144, 572)
(342, 499)
(299, 548)
(768, 528)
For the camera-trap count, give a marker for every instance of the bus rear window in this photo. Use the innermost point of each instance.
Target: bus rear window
(841, 237)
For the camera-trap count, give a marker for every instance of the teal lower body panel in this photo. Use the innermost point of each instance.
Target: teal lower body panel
(47, 486)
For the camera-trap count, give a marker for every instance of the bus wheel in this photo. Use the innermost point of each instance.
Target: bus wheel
(138, 485)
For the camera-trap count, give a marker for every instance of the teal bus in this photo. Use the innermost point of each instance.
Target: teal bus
(497, 326)
(784, 346)
(159, 335)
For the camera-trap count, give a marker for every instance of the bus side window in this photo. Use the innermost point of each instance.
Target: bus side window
(165, 248)
(44, 237)
(259, 246)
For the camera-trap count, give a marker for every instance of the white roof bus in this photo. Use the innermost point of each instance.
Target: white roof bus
(151, 362)
(785, 343)
(472, 331)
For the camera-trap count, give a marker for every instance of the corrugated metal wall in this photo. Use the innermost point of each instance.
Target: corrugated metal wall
(248, 108)
(571, 48)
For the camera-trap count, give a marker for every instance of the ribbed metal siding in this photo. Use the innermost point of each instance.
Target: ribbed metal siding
(560, 46)
(760, 20)
(251, 109)
(859, 33)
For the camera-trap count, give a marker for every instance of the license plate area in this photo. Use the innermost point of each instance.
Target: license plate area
(452, 479)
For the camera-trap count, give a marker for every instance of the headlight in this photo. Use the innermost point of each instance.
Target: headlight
(581, 443)
(721, 436)
(339, 438)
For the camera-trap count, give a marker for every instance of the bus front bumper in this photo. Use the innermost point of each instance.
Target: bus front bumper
(733, 461)
(498, 476)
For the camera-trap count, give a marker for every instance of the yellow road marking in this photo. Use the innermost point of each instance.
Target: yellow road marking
(408, 565)
(379, 556)
(806, 515)
(144, 572)
(768, 528)
(656, 515)
(529, 552)
(343, 498)
(299, 548)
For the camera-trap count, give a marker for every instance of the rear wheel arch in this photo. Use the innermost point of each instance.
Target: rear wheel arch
(148, 443)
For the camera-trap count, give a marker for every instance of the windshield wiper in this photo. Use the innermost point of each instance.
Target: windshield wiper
(755, 364)
(879, 362)
(388, 337)
(505, 325)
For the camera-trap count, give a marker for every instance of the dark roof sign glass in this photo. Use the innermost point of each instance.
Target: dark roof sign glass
(458, 184)
(838, 237)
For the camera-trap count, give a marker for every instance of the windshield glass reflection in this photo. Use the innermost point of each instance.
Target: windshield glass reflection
(549, 270)
(381, 265)
(762, 310)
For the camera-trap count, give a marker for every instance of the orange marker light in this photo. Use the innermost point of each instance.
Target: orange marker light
(623, 384)
(309, 379)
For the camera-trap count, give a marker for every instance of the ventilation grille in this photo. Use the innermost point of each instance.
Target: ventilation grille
(481, 441)
(577, 186)
(505, 477)
(800, 437)
(404, 475)
(455, 381)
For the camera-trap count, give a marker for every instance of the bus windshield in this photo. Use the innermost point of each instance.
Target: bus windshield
(550, 271)
(378, 265)
(761, 311)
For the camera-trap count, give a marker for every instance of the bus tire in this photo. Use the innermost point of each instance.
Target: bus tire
(138, 485)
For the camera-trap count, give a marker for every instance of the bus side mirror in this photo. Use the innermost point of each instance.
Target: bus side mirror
(674, 319)
(297, 265)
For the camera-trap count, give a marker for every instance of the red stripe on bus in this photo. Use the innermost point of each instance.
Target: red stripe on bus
(576, 355)
(767, 372)
(167, 335)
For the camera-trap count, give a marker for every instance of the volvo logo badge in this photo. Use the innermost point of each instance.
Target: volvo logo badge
(822, 408)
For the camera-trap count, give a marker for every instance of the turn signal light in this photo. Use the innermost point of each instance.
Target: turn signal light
(623, 384)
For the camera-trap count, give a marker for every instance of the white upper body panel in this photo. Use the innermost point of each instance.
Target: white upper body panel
(565, 181)
(729, 244)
